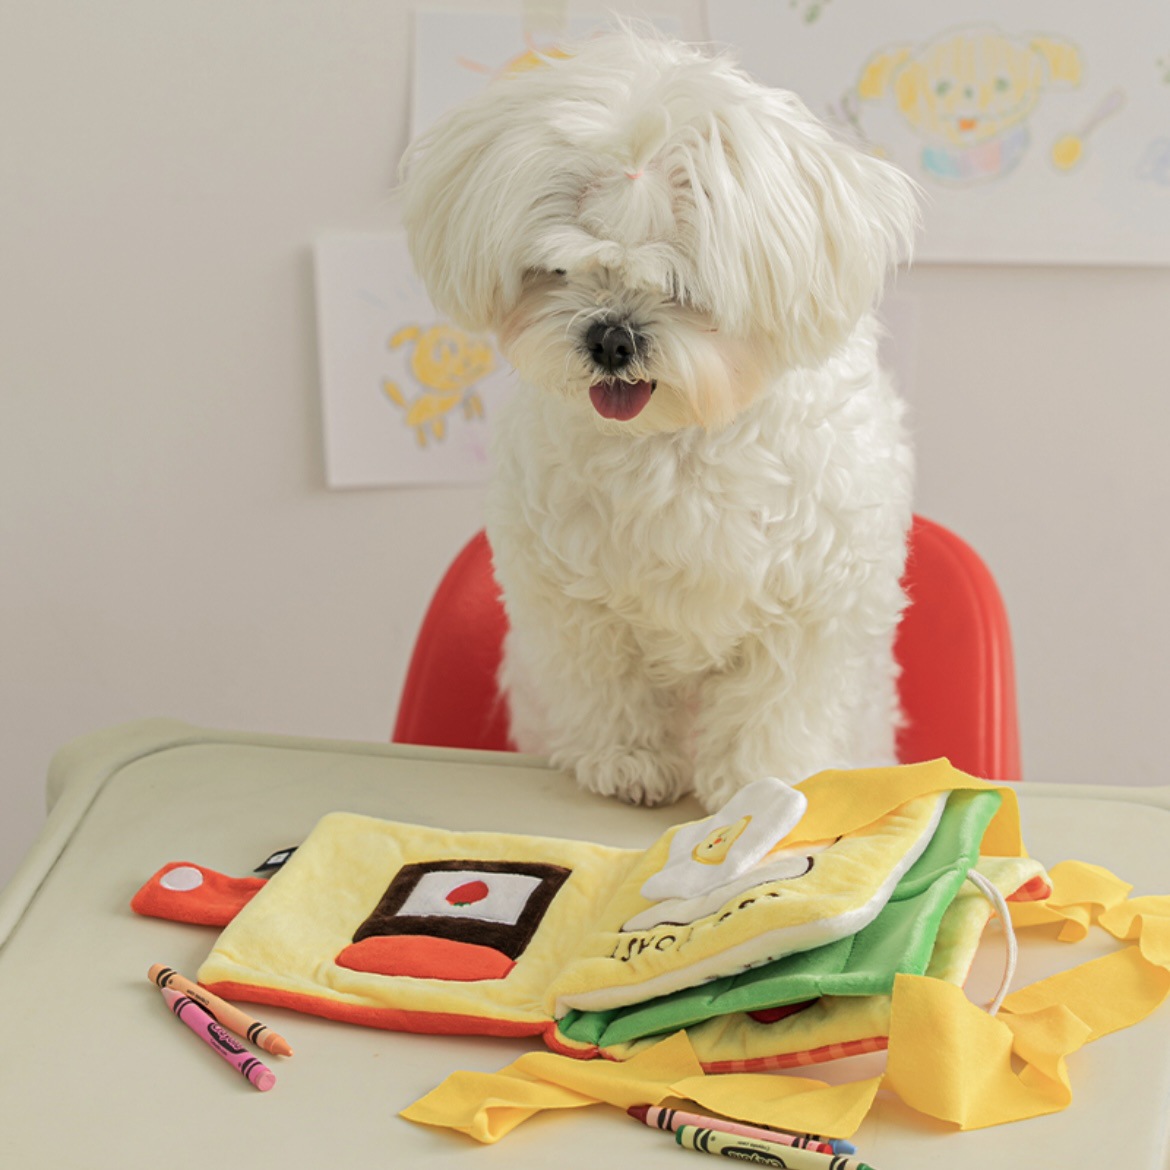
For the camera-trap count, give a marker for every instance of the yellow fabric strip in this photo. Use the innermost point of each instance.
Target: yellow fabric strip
(486, 1106)
(966, 1075)
(951, 1060)
(783, 1102)
(841, 803)
(1107, 994)
(621, 1083)
(947, 1057)
(1145, 920)
(1080, 893)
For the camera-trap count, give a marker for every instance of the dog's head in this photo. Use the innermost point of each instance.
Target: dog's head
(650, 232)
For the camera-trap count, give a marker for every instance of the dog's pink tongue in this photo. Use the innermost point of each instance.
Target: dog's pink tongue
(620, 400)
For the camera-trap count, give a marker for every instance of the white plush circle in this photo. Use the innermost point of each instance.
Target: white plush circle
(183, 878)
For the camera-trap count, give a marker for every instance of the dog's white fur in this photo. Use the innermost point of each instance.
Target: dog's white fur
(707, 592)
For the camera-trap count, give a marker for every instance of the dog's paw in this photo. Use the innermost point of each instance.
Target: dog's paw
(714, 789)
(637, 775)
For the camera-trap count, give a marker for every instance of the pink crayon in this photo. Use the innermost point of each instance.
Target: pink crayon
(216, 1036)
(671, 1119)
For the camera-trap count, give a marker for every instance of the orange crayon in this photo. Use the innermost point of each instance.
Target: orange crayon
(227, 1014)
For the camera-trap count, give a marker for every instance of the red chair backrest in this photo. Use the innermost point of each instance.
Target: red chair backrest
(449, 698)
(958, 683)
(954, 646)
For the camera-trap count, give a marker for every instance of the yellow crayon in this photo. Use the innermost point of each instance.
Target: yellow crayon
(227, 1014)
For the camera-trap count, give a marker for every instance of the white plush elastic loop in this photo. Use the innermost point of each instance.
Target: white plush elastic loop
(992, 894)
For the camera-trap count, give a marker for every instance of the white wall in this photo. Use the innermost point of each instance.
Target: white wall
(167, 544)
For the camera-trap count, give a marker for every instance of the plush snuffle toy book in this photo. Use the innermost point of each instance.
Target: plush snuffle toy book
(795, 926)
(773, 931)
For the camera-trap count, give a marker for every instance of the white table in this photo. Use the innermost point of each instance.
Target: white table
(95, 1074)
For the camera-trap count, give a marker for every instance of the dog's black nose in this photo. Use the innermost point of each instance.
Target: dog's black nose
(612, 346)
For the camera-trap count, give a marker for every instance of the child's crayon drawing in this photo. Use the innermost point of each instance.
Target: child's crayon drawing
(533, 56)
(1069, 149)
(446, 365)
(1038, 132)
(810, 10)
(968, 95)
(1154, 166)
(408, 397)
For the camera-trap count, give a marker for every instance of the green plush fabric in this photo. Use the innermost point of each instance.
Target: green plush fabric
(899, 941)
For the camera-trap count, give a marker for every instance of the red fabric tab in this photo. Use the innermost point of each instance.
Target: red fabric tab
(184, 892)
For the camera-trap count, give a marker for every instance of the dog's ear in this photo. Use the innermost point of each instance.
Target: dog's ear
(463, 196)
(829, 223)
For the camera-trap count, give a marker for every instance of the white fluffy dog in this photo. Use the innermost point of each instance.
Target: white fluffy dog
(702, 485)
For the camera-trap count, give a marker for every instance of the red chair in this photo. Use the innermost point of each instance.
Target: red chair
(957, 686)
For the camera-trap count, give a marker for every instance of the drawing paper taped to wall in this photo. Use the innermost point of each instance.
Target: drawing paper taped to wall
(458, 51)
(407, 396)
(1040, 132)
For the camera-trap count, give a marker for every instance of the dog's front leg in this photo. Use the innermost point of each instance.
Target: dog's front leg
(578, 692)
(782, 706)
